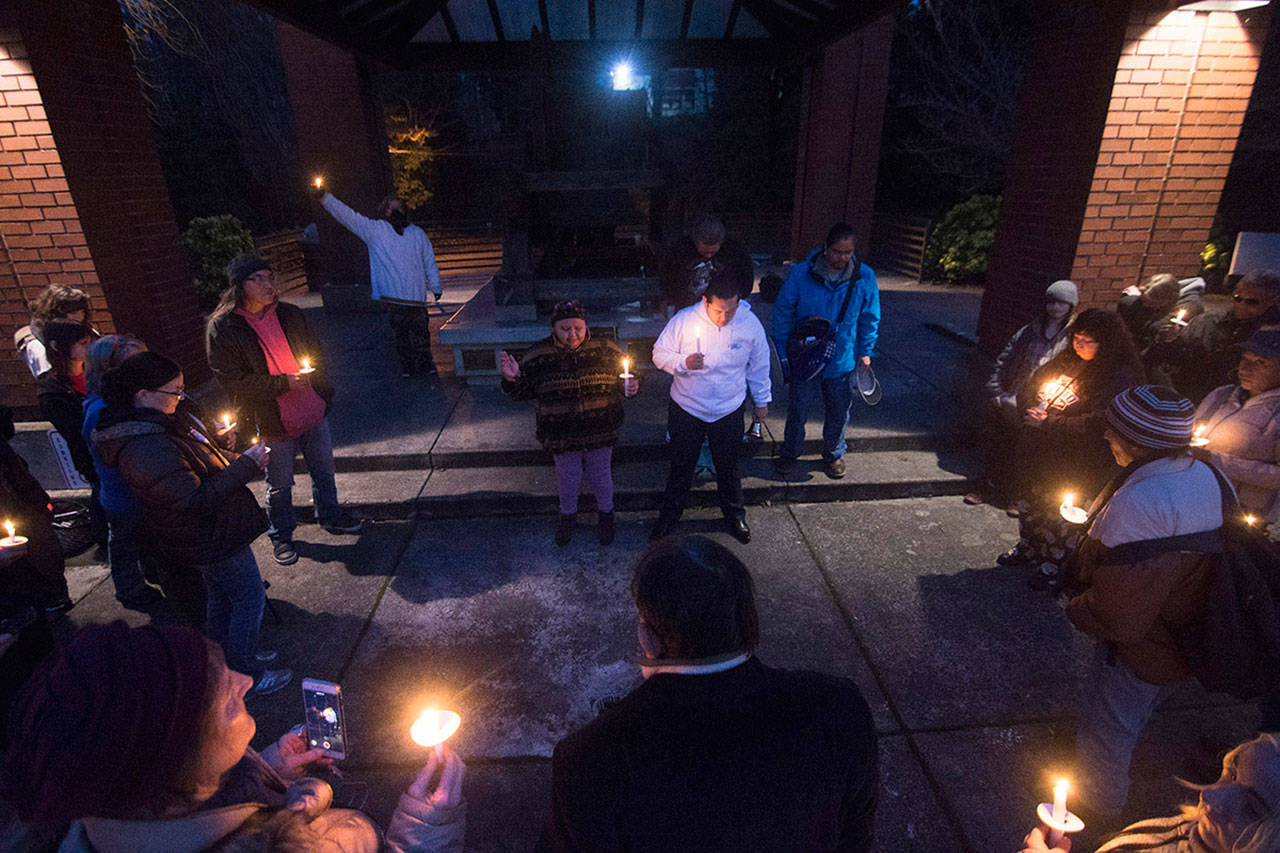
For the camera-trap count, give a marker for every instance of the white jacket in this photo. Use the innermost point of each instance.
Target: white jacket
(401, 266)
(736, 356)
(1244, 441)
(1165, 497)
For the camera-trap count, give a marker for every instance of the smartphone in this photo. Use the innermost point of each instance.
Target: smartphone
(326, 726)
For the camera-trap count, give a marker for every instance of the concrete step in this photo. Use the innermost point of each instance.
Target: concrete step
(638, 486)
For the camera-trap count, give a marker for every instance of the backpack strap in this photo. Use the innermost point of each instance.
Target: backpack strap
(853, 283)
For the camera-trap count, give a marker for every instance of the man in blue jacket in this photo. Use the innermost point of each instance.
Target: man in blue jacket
(818, 287)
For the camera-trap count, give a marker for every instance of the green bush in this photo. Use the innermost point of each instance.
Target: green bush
(211, 242)
(959, 247)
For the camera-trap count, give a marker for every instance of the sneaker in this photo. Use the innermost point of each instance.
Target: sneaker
(974, 498)
(265, 656)
(1015, 556)
(835, 468)
(272, 680)
(1017, 509)
(344, 524)
(284, 552)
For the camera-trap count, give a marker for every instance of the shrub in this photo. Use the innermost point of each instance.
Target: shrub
(959, 247)
(211, 243)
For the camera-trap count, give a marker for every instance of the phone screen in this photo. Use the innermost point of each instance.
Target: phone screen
(325, 726)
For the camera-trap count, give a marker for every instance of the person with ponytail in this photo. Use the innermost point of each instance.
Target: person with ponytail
(402, 267)
(197, 509)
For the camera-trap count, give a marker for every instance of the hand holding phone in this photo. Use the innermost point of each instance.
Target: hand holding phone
(292, 755)
(326, 724)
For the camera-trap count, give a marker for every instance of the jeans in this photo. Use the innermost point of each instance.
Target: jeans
(725, 438)
(233, 616)
(316, 445)
(1116, 705)
(837, 399)
(412, 329)
(125, 555)
(569, 469)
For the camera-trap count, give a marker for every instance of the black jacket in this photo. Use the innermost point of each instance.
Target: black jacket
(238, 361)
(63, 406)
(681, 259)
(196, 506)
(752, 758)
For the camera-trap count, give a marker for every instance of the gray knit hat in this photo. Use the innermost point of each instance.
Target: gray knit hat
(1063, 290)
(1153, 416)
(244, 265)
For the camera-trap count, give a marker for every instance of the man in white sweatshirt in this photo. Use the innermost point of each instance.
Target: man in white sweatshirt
(402, 266)
(715, 349)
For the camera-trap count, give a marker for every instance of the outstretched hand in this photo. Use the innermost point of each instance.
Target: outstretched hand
(448, 790)
(509, 366)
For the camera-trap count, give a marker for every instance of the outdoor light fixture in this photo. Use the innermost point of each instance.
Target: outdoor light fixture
(623, 77)
(1222, 5)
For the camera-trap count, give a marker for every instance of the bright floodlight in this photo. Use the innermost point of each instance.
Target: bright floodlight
(623, 79)
(1222, 5)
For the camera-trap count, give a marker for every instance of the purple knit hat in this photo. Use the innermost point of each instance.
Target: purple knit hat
(105, 726)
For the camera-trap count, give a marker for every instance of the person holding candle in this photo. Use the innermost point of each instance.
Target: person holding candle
(1136, 601)
(1160, 308)
(577, 387)
(1030, 348)
(715, 750)
(716, 350)
(32, 575)
(834, 286)
(1060, 446)
(402, 268)
(254, 342)
(138, 739)
(197, 509)
(1239, 813)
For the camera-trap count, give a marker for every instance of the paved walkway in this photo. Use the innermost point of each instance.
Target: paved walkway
(971, 675)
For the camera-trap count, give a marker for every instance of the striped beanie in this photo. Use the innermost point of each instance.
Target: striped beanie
(1152, 416)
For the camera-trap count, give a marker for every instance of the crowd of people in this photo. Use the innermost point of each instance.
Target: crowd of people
(1160, 468)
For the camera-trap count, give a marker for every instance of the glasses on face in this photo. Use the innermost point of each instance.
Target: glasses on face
(1252, 303)
(179, 393)
(1081, 340)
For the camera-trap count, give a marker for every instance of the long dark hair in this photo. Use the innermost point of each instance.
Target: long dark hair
(59, 337)
(1116, 349)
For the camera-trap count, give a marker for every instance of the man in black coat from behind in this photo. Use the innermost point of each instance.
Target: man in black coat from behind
(715, 751)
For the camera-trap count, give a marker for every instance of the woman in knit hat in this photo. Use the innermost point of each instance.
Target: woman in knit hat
(139, 739)
(575, 383)
(1028, 350)
(1060, 449)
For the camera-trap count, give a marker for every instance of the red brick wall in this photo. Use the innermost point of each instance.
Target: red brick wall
(1181, 89)
(1062, 112)
(41, 239)
(841, 120)
(341, 135)
(114, 191)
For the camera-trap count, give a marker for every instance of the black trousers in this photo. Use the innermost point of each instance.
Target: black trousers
(412, 327)
(725, 438)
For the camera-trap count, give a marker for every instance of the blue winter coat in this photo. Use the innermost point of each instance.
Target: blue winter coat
(807, 294)
(113, 491)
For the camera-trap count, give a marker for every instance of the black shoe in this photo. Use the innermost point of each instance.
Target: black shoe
(661, 529)
(604, 528)
(142, 600)
(1015, 556)
(284, 552)
(835, 468)
(783, 465)
(737, 528)
(564, 530)
(344, 524)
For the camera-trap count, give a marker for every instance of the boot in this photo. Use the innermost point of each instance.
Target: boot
(564, 531)
(604, 528)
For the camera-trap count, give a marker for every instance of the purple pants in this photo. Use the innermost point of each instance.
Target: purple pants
(569, 468)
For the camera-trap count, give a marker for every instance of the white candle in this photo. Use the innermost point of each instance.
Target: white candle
(626, 369)
(225, 425)
(1059, 810)
(697, 345)
(1198, 438)
(306, 366)
(1179, 319)
(11, 541)
(433, 727)
(1071, 512)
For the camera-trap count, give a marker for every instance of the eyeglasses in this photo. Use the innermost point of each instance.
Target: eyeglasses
(1252, 303)
(179, 393)
(1083, 341)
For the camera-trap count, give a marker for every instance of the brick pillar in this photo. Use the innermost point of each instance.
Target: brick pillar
(341, 135)
(88, 203)
(1127, 122)
(841, 119)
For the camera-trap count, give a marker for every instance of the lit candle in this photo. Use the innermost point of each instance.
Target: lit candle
(225, 425)
(1250, 520)
(253, 440)
(626, 369)
(1072, 513)
(1198, 438)
(1179, 319)
(433, 728)
(697, 345)
(319, 181)
(11, 541)
(1055, 815)
(306, 366)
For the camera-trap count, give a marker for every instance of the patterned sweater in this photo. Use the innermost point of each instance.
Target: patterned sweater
(577, 394)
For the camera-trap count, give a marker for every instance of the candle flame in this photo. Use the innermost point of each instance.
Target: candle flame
(1199, 433)
(1061, 787)
(1251, 520)
(226, 419)
(253, 440)
(8, 526)
(1068, 499)
(1182, 312)
(626, 365)
(306, 364)
(319, 181)
(435, 726)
